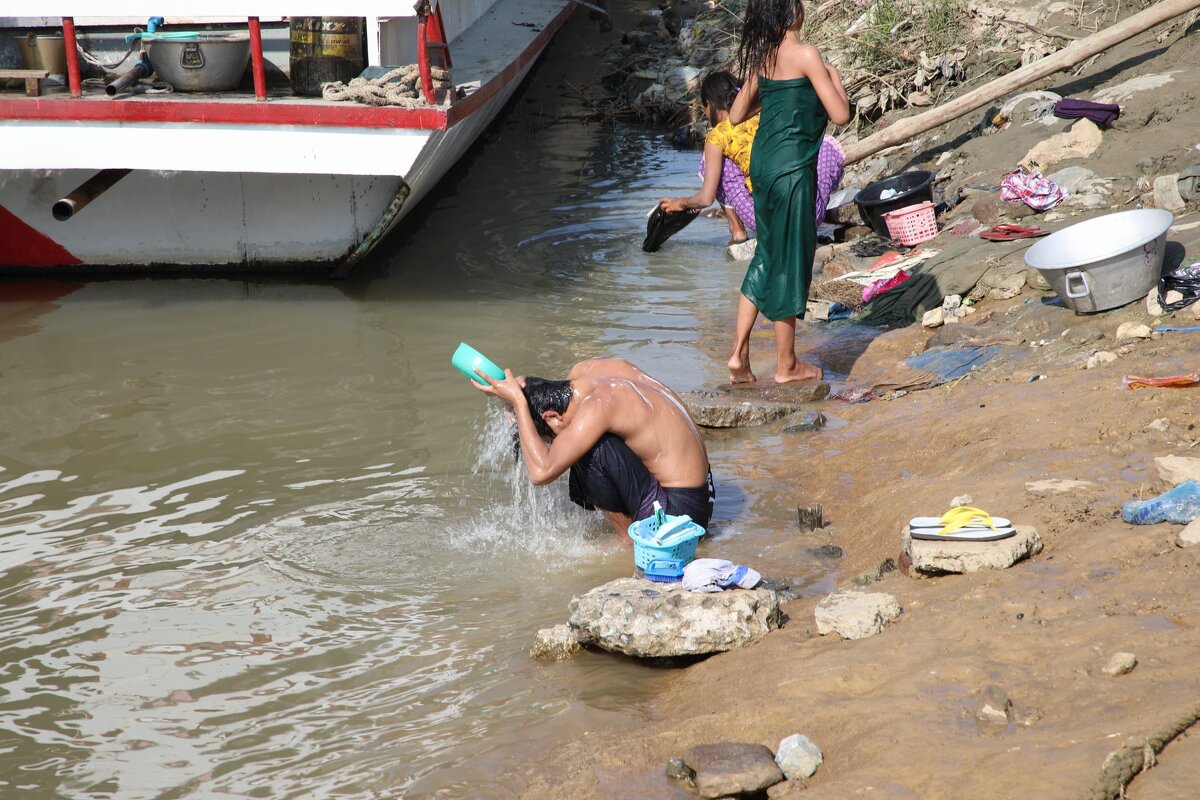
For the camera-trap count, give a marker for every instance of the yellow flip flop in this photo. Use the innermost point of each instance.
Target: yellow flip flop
(962, 516)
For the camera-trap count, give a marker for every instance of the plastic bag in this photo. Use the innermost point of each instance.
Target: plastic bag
(1140, 382)
(1185, 280)
(662, 225)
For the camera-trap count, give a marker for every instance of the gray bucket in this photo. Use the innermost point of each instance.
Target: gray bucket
(1104, 262)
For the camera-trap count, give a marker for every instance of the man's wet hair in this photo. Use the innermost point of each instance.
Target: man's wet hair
(719, 90)
(545, 395)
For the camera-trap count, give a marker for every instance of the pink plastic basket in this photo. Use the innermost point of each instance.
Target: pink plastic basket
(912, 224)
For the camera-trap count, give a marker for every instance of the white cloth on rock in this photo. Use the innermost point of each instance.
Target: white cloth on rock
(717, 574)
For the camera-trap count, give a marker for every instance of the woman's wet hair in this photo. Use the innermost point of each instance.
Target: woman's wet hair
(719, 90)
(764, 26)
(546, 395)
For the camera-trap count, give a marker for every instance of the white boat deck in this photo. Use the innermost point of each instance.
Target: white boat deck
(235, 132)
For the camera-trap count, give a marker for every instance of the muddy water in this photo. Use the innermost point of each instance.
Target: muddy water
(258, 539)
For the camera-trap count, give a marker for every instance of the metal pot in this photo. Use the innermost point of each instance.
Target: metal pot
(205, 63)
(1104, 262)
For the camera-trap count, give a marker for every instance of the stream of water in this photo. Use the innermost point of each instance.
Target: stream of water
(257, 539)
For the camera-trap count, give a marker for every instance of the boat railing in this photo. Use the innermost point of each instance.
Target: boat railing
(431, 30)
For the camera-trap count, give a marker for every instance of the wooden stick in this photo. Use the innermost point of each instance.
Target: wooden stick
(1069, 56)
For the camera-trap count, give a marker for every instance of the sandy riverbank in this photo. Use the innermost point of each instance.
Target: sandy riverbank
(894, 714)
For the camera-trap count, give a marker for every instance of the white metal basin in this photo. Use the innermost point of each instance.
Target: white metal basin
(1104, 262)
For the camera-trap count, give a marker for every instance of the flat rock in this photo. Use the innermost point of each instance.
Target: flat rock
(1120, 664)
(732, 768)
(1161, 425)
(1073, 178)
(993, 707)
(1058, 486)
(798, 757)
(855, 615)
(557, 643)
(1133, 330)
(949, 556)
(753, 405)
(654, 620)
(1166, 193)
(1190, 535)
(810, 421)
(1177, 469)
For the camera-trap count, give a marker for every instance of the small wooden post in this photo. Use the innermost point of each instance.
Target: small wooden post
(72, 57)
(256, 60)
(809, 518)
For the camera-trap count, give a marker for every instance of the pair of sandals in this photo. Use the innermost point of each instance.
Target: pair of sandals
(1009, 233)
(962, 523)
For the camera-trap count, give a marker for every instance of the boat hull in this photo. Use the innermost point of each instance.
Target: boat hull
(221, 219)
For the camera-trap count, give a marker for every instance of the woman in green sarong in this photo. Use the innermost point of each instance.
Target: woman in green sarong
(798, 94)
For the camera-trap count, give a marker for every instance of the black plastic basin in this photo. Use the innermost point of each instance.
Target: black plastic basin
(912, 187)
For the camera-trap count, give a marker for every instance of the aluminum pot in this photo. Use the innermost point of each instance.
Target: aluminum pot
(209, 62)
(1104, 262)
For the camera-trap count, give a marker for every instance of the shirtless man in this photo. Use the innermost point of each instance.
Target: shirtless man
(627, 440)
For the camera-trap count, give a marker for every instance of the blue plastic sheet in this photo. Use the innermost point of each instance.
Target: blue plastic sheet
(949, 363)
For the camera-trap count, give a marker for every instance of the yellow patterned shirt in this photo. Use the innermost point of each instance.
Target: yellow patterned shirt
(735, 142)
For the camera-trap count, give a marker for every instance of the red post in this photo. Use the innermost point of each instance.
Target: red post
(423, 51)
(256, 60)
(72, 57)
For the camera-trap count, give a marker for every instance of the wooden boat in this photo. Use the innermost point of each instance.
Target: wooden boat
(248, 180)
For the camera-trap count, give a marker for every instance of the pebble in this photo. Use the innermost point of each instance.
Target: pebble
(1100, 359)
(962, 500)
(1190, 535)
(993, 707)
(855, 615)
(828, 551)
(934, 318)
(1159, 425)
(1086, 336)
(732, 768)
(679, 771)
(1120, 664)
(798, 757)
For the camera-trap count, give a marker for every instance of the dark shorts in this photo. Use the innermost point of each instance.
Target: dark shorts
(610, 477)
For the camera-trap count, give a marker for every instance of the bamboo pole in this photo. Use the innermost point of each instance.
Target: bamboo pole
(1069, 56)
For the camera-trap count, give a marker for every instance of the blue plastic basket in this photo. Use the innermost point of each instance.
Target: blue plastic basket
(646, 551)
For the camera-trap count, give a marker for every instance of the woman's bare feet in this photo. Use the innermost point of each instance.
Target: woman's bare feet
(739, 372)
(802, 371)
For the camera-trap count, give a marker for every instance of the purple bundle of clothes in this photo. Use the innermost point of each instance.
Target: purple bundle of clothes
(733, 192)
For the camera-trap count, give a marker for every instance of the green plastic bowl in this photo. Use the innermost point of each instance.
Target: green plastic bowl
(467, 359)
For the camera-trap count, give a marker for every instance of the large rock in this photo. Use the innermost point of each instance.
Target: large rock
(655, 620)
(946, 556)
(798, 757)
(1166, 193)
(732, 768)
(855, 615)
(1081, 141)
(748, 407)
(555, 644)
(1177, 469)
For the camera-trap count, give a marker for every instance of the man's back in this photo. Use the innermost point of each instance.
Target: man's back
(652, 422)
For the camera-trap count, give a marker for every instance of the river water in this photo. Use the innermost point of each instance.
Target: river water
(258, 539)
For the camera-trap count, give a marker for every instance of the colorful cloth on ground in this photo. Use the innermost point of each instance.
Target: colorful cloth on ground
(784, 170)
(831, 163)
(1031, 189)
(735, 142)
(1103, 114)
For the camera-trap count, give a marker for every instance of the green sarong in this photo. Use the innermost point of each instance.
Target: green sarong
(783, 170)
